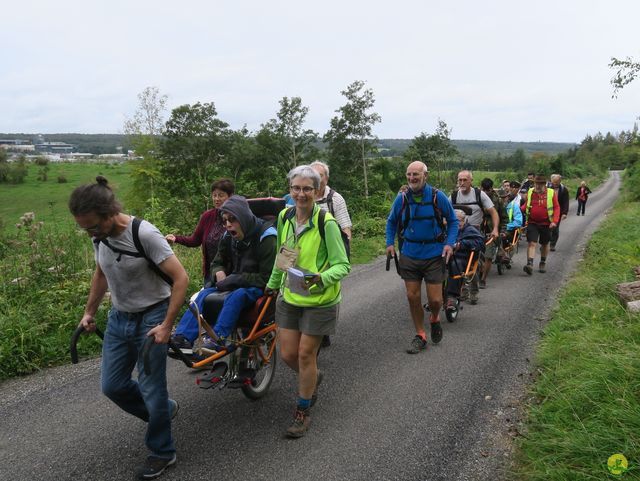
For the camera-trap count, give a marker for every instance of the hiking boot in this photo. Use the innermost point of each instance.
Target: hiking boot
(552, 248)
(542, 267)
(436, 332)
(155, 466)
(528, 269)
(173, 408)
(326, 341)
(473, 298)
(417, 344)
(314, 396)
(300, 424)
(483, 284)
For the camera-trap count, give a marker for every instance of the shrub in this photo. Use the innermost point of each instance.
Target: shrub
(44, 281)
(632, 175)
(17, 173)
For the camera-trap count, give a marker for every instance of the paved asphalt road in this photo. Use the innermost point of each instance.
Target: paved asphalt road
(444, 414)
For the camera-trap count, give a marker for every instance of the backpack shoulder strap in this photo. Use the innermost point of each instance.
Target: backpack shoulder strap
(454, 196)
(478, 197)
(437, 211)
(330, 200)
(135, 231)
(289, 213)
(321, 215)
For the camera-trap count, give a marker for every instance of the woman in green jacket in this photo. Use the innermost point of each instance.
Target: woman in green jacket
(310, 263)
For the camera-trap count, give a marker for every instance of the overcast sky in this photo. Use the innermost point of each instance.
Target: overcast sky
(496, 70)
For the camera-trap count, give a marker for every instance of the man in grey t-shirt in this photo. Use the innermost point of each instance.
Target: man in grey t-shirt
(144, 306)
(127, 274)
(479, 203)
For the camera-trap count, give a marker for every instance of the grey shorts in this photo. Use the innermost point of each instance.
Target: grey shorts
(538, 233)
(431, 270)
(314, 321)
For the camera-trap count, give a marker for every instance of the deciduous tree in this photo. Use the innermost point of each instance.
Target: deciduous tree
(143, 130)
(436, 150)
(627, 71)
(284, 139)
(353, 125)
(193, 148)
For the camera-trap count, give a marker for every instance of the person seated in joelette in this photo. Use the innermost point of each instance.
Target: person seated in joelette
(243, 265)
(469, 239)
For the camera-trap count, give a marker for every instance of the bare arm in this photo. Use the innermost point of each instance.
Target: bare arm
(96, 294)
(495, 218)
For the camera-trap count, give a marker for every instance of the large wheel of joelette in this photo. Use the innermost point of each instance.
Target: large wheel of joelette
(265, 371)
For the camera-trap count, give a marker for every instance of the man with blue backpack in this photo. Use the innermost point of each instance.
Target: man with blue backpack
(418, 218)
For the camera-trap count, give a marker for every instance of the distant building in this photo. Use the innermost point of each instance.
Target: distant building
(54, 148)
(79, 155)
(16, 145)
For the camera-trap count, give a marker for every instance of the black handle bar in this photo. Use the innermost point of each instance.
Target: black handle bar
(395, 259)
(73, 348)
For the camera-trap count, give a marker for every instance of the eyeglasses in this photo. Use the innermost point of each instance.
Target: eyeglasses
(91, 230)
(228, 218)
(307, 189)
(219, 196)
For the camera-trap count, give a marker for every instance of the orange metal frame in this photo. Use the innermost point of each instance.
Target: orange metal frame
(472, 264)
(253, 336)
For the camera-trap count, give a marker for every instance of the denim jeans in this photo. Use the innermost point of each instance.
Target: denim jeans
(147, 398)
(234, 303)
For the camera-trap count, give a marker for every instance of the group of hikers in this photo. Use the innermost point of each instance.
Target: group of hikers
(246, 257)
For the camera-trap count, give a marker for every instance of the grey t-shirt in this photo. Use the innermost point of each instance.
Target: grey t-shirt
(475, 219)
(133, 285)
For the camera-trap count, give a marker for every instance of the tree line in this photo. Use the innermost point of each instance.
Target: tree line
(181, 156)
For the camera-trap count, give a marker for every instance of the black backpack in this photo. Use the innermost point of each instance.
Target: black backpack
(135, 229)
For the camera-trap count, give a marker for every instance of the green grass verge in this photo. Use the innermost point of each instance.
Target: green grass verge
(48, 199)
(587, 396)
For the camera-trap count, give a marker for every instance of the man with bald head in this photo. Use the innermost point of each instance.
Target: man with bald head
(425, 246)
(480, 204)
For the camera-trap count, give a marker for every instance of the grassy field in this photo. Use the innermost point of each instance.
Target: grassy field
(48, 199)
(587, 397)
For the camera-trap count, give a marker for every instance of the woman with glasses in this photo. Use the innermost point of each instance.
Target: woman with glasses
(210, 228)
(311, 260)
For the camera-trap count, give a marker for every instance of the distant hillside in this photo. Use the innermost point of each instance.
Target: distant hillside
(483, 148)
(109, 143)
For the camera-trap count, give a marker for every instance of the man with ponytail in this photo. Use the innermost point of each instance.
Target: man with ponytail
(148, 286)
